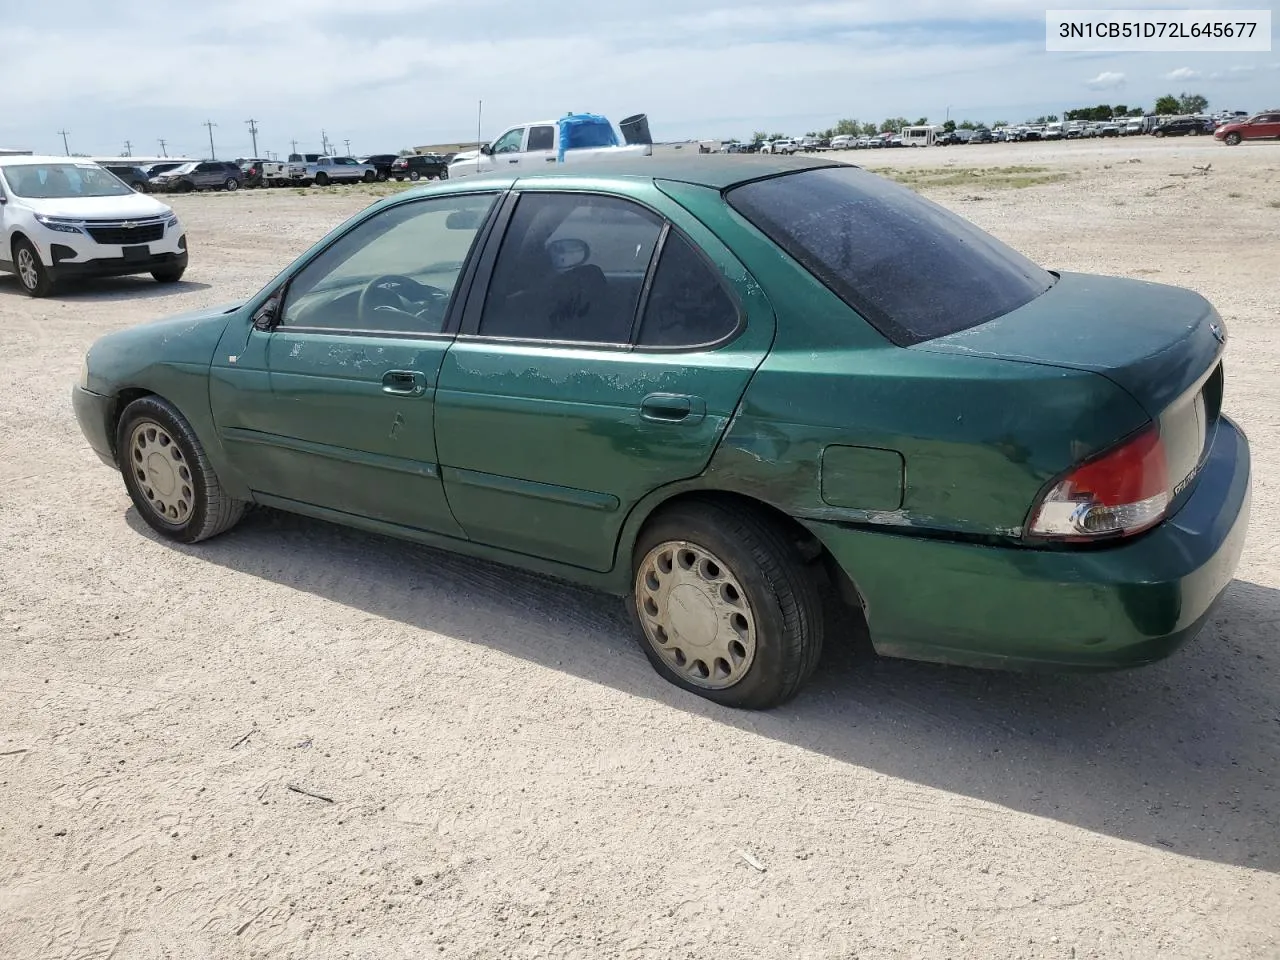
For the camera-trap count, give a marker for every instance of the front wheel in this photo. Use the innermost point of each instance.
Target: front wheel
(322, 179)
(169, 274)
(1232, 139)
(370, 176)
(232, 184)
(725, 605)
(169, 478)
(415, 175)
(32, 273)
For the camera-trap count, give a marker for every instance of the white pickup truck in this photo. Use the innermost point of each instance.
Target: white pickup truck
(310, 168)
(574, 138)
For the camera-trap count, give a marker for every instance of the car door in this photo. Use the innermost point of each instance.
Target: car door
(1265, 126)
(207, 175)
(603, 350)
(508, 149)
(541, 147)
(327, 401)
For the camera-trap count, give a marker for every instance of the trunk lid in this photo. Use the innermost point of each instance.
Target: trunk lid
(1155, 341)
(1161, 344)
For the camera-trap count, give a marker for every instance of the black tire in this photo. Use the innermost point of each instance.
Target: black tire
(232, 184)
(33, 276)
(382, 177)
(187, 186)
(781, 592)
(322, 179)
(169, 274)
(210, 511)
(1158, 133)
(370, 176)
(414, 175)
(1232, 139)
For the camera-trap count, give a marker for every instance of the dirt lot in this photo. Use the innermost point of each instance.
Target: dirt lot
(510, 779)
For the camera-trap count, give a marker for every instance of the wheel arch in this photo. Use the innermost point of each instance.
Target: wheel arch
(811, 548)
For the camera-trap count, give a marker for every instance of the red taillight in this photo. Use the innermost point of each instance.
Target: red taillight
(1122, 492)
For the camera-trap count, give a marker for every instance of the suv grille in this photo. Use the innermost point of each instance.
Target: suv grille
(126, 233)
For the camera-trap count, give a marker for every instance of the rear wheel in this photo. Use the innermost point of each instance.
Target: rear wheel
(322, 179)
(32, 273)
(168, 476)
(725, 604)
(370, 176)
(1159, 133)
(1232, 139)
(232, 184)
(414, 175)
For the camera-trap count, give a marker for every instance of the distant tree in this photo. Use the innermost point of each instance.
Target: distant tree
(405, 152)
(1053, 118)
(1192, 103)
(1001, 123)
(922, 122)
(967, 125)
(949, 126)
(894, 124)
(869, 130)
(1134, 112)
(846, 128)
(758, 136)
(777, 136)
(1168, 104)
(1119, 110)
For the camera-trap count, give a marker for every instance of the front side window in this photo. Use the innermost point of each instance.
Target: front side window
(394, 272)
(912, 268)
(510, 141)
(57, 181)
(571, 268)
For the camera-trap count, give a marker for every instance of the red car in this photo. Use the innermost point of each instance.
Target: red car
(1264, 126)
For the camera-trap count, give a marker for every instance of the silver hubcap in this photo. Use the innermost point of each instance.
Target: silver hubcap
(27, 269)
(161, 471)
(695, 614)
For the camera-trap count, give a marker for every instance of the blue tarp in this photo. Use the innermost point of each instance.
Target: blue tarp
(584, 130)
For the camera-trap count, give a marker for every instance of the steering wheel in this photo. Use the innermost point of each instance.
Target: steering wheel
(421, 306)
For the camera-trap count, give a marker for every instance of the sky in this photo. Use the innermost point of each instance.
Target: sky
(389, 74)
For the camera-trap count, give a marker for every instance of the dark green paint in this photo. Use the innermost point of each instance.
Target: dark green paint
(862, 478)
(915, 468)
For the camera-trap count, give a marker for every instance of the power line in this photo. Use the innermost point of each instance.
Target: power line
(253, 132)
(210, 124)
(162, 146)
(65, 148)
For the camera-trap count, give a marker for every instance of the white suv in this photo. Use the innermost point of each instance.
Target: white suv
(780, 146)
(62, 218)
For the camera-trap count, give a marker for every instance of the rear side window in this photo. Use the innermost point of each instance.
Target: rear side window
(913, 269)
(688, 304)
(542, 138)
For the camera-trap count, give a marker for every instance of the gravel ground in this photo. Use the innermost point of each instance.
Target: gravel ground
(498, 771)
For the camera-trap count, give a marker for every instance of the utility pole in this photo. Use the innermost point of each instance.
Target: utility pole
(293, 146)
(324, 143)
(253, 132)
(348, 145)
(210, 124)
(65, 148)
(128, 148)
(162, 146)
(479, 114)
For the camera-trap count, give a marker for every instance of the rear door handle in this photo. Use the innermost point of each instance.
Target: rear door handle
(404, 383)
(672, 408)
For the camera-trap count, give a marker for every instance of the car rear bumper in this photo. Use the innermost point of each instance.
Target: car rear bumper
(95, 414)
(1082, 609)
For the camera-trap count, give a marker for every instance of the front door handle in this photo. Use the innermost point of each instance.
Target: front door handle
(514, 160)
(404, 383)
(672, 408)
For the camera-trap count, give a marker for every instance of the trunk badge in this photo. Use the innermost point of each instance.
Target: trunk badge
(1218, 335)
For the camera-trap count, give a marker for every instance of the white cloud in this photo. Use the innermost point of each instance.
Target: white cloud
(1107, 80)
(1236, 74)
(1183, 73)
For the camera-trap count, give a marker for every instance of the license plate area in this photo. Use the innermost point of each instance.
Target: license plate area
(136, 253)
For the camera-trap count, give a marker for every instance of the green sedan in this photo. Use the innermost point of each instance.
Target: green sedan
(726, 388)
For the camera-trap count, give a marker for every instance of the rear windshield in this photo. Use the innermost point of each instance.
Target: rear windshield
(910, 267)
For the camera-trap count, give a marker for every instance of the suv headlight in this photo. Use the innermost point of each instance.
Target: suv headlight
(59, 224)
(172, 221)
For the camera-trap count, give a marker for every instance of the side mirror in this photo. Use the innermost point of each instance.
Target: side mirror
(3, 199)
(486, 150)
(266, 316)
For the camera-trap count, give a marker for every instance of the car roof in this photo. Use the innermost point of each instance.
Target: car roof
(18, 159)
(719, 171)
